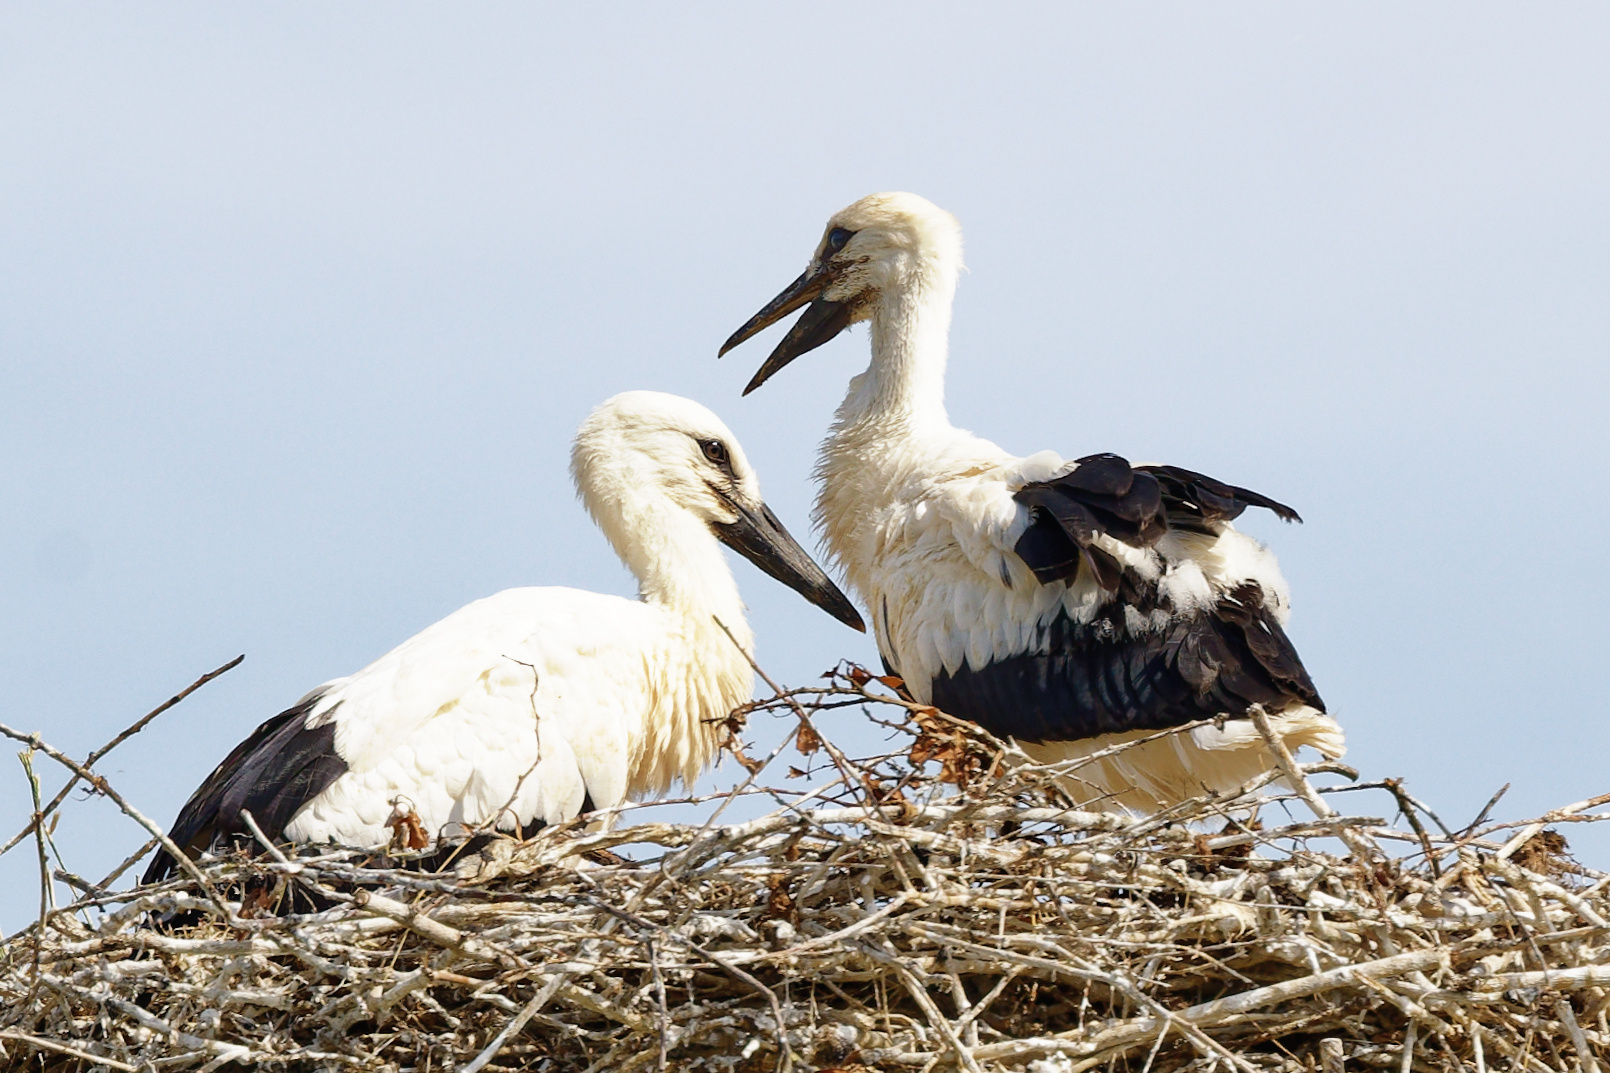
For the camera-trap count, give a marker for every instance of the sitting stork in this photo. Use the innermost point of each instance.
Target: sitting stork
(1071, 605)
(538, 704)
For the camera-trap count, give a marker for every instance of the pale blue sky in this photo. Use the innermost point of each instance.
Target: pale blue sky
(300, 306)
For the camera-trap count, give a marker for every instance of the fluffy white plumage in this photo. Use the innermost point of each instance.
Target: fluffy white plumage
(562, 693)
(522, 706)
(922, 516)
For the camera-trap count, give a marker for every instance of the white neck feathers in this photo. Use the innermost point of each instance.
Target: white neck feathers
(679, 566)
(697, 676)
(904, 386)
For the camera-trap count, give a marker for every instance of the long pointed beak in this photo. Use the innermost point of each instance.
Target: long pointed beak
(758, 536)
(820, 323)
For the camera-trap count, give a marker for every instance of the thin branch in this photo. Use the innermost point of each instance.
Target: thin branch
(102, 786)
(124, 735)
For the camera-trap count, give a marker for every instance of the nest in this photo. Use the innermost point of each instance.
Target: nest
(944, 906)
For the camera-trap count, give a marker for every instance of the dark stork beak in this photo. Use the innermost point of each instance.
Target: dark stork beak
(758, 536)
(821, 322)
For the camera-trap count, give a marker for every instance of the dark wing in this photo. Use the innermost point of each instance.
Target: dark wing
(1101, 679)
(1134, 504)
(1103, 495)
(1197, 502)
(281, 767)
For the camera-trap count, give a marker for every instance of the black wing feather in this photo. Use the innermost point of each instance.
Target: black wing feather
(1105, 495)
(281, 767)
(1198, 502)
(1099, 679)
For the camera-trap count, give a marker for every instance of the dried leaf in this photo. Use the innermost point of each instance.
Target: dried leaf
(417, 838)
(779, 902)
(807, 741)
(259, 897)
(407, 829)
(1543, 853)
(736, 720)
(962, 759)
(883, 796)
(733, 744)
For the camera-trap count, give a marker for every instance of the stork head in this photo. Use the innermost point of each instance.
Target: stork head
(647, 465)
(883, 244)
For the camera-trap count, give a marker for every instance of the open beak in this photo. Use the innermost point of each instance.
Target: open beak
(820, 323)
(758, 536)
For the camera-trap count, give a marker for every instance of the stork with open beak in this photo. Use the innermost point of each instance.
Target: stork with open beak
(538, 704)
(1071, 605)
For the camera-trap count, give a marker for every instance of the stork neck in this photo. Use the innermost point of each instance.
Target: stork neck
(905, 382)
(680, 567)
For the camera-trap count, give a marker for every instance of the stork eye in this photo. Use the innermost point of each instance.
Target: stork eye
(836, 239)
(716, 452)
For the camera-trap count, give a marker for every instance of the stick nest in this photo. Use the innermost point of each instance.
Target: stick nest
(944, 906)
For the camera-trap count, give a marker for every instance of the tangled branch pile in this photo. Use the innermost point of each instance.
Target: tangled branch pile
(940, 907)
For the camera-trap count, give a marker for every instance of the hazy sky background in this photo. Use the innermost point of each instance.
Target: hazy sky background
(300, 306)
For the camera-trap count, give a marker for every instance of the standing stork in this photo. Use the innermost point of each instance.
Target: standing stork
(538, 704)
(1071, 605)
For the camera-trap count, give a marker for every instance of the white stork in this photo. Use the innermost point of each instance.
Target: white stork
(538, 704)
(1069, 604)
